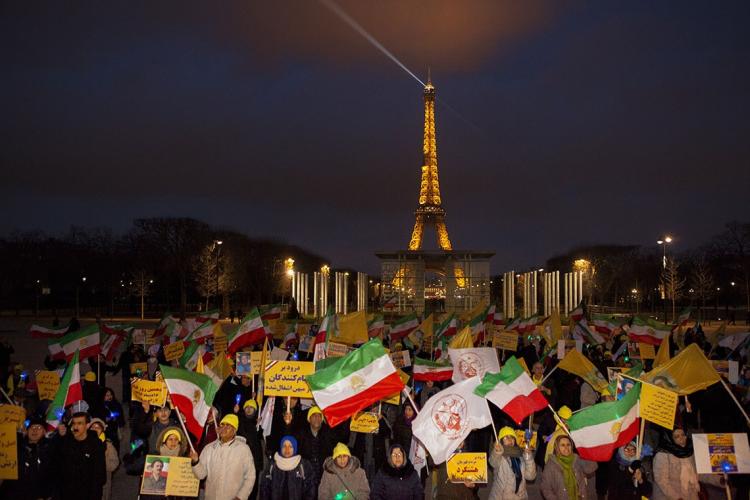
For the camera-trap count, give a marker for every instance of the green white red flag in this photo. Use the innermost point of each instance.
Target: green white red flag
(206, 330)
(599, 430)
(376, 326)
(683, 317)
(211, 315)
(578, 313)
(250, 331)
(192, 393)
(85, 340)
(40, 332)
(404, 326)
(270, 312)
(70, 392)
(55, 349)
(647, 331)
(424, 369)
(512, 390)
(447, 328)
(581, 331)
(355, 381)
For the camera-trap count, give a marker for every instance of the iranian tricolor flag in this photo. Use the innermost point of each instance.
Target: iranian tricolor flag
(447, 328)
(404, 326)
(55, 349)
(581, 331)
(166, 320)
(603, 323)
(326, 327)
(211, 315)
(578, 313)
(391, 302)
(355, 381)
(70, 392)
(491, 314)
(112, 342)
(270, 312)
(512, 390)
(206, 330)
(192, 393)
(40, 332)
(250, 331)
(425, 369)
(193, 351)
(85, 340)
(599, 430)
(683, 317)
(376, 326)
(513, 325)
(647, 331)
(529, 324)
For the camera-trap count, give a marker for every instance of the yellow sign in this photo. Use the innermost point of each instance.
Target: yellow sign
(136, 368)
(47, 384)
(169, 476)
(8, 452)
(508, 341)
(365, 422)
(336, 350)
(658, 405)
(220, 342)
(12, 414)
(400, 359)
(467, 467)
(154, 393)
(647, 351)
(173, 351)
(287, 378)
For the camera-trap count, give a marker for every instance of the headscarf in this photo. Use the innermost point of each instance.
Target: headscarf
(667, 445)
(292, 440)
(566, 464)
(400, 472)
(622, 459)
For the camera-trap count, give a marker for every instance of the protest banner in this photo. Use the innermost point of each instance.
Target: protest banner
(279, 354)
(467, 467)
(727, 369)
(47, 383)
(146, 391)
(255, 359)
(287, 378)
(400, 359)
(721, 453)
(306, 343)
(174, 351)
(507, 341)
(658, 405)
(244, 363)
(646, 351)
(8, 451)
(138, 369)
(155, 474)
(220, 342)
(12, 414)
(365, 422)
(336, 350)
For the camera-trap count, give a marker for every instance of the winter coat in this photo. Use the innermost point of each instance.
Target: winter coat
(397, 484)
(504, 482)
(371, 448)
(254, 438)
(315, 449)
(351, 480)
(287, 479)
(451, 491)
(621, 485)
(228, 469)
(111, 462)
(36, 471)
(81, 467)
(668, 482)
(553, 484)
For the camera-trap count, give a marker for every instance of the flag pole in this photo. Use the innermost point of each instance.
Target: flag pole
(6, 396)
(640, 438)
(547, 376)
(559, 421)
(734, 398)
(187, 434)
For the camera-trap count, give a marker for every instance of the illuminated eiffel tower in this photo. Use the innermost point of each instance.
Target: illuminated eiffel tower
(430, 210)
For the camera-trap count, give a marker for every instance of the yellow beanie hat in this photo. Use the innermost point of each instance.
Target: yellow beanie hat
(341, 449)
(564, 412)
(171, 432)
(232, 420)
(506, 431)
(313, 411)
(250, 402)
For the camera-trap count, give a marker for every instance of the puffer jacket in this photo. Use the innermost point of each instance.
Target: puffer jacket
(504, 482)
(391, 483)
(553, 485)
(351, 481)
(668, 483)
(228, 469)
(287, 479)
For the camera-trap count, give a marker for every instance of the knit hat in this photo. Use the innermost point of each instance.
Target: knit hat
(90, 377)
(232, 420)
(98, 421)
(171, 432)
(340, 450)
(564, 412)
(35, 420)
(291, 440)
(506, 431)
(314, 410)
(250, 402)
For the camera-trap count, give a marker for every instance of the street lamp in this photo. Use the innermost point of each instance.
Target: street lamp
(666, 240)
(78, 288)
(289, 266)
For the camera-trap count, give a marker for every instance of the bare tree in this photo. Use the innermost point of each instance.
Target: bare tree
(140, 286)
(702, 283)
(673, 284)
(204, 271)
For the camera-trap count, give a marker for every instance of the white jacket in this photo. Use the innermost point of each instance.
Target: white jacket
(504, 482)
(228, 468)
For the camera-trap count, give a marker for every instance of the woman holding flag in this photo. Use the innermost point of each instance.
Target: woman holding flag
(564, 476)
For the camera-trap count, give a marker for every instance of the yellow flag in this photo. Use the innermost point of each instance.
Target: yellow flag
(578, 364)
(352, 329)
(684, 374)
(552, 328)
(463, 339)
(718, 334)
(261, 377)
(662, 356)
(220, 366)
(199, 365)
(478, 309)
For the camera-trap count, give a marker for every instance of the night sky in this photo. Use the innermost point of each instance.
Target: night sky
(561, 123)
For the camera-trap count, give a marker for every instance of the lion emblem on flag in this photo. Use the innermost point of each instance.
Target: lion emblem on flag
(470, 365)
(196, 396)
(450, 416)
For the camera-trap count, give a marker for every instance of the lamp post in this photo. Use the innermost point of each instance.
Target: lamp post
(289, 270)
(78, 288)
(664, 242)
(217, 246)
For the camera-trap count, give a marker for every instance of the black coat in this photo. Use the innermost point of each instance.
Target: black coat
(315, 449)
(296, 484)
(36, 471)
(397, 484)
(81, 467)
(620, 484)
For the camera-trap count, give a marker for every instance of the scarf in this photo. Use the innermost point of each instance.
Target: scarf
(286, 464)
(667, 445)
(164, 450)
(514, 455)
(622, 459)
(537, 381)
(569, 475)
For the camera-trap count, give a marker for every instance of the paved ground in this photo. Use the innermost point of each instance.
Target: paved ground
(31, 353)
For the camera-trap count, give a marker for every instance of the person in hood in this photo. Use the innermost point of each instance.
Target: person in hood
(675, 475)
(288, 476)
(343, 478)
(402, 427)
(226, 464)
(397, 479)
(627, 479)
